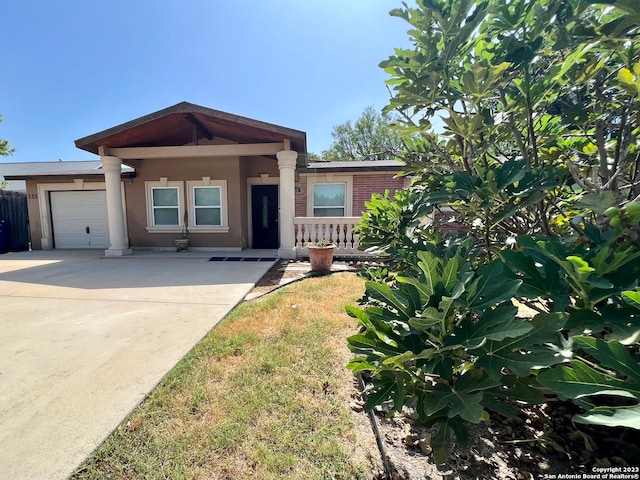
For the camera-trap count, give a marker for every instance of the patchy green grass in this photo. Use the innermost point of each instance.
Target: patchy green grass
(264, 395)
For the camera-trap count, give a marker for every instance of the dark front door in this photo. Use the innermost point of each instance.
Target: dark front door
(264, 214)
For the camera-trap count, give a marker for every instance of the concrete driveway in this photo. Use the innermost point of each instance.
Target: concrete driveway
(83, 339)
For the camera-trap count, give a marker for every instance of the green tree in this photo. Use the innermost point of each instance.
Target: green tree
(371, 137)
(529, 91)
(540, 161)
(5, 149)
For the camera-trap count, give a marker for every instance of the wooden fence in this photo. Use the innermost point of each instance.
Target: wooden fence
(14, 222)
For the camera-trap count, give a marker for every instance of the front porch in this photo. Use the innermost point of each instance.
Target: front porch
(196, 169)
(336, 230)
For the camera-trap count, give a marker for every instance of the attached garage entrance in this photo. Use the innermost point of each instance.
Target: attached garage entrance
(79, 219)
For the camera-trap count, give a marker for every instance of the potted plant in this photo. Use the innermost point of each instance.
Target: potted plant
(321, 255)
(182, 244)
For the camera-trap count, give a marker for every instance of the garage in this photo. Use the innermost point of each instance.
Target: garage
(79, 219)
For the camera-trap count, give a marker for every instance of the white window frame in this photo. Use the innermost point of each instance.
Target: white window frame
(224, 214)
(347, 180)
(164, 183)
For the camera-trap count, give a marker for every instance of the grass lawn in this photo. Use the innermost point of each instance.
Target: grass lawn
(264, 395)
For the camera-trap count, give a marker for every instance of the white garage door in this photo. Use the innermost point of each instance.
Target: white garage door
(80, 219)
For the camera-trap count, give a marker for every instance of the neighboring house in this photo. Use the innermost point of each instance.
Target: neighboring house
(11, 169)
(60, 168)
(14, 218)
(239, 183)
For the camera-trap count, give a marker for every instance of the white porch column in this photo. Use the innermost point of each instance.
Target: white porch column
(287, 202)
(119, 245)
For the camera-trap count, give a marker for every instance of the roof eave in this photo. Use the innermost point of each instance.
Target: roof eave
(90, 142)
(66, 175)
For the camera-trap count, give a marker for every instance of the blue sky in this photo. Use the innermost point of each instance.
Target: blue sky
(71, 68)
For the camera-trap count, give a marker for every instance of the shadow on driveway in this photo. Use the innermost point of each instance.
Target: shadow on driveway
(88, 270)
(84, 340)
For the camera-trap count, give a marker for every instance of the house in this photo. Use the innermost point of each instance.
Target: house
(14, 218)
(12, 185)
(234, 182)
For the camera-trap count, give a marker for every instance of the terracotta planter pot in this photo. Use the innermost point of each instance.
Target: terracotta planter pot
(321, 258)
(182, 245)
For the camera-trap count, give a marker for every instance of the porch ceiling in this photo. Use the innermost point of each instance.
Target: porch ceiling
(185, 124)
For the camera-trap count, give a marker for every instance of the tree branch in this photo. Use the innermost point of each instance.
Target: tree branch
(516, 133)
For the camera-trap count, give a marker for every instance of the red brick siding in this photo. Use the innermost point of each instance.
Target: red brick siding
(363, 187)
(366, 185)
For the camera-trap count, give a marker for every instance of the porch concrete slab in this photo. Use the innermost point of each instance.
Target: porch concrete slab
(84, 339)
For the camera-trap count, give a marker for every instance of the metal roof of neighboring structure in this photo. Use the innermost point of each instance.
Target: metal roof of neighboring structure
(370, 165)
(86, 168)
(185, 123)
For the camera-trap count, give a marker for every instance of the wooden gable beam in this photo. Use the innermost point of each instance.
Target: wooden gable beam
(192, 151)
(198, 127)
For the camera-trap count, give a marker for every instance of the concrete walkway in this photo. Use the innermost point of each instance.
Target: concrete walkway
(84, 339)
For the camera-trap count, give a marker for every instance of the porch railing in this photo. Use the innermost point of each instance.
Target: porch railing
(337, 230)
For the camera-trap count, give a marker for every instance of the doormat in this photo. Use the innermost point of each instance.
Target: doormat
(243, 259)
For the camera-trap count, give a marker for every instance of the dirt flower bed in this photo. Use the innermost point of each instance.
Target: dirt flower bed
(524, 448)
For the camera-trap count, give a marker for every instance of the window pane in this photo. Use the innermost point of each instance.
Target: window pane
(165, 216)
(209, 196)
(329, 194)
(165, 197)
(328, 212)
(208, 216)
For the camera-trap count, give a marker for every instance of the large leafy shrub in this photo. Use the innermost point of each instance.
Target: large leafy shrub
(539, 159)
(443, 334)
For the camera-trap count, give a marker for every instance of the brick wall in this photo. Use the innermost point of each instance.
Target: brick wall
(366, 185)
(363, 187)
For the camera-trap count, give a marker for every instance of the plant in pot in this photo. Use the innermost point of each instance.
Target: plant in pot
(321, 255)
(182, 244)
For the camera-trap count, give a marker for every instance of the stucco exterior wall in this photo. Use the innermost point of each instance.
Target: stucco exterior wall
(184, 169)
(33, 202)
(35, 225)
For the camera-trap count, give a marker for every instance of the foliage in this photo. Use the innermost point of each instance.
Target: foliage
(443, 334)
(528, 88)
(371, 137)
(313, 157)
(539, 159)
(5, 149)
(427, 336)
(320, 242)
(185, 225)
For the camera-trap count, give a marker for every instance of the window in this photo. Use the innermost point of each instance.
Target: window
(166, 206)
(207, 205)
(329, 195)
(205, 209)
(329, 199)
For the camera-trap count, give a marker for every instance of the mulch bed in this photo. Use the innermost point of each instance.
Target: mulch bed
(541, 443)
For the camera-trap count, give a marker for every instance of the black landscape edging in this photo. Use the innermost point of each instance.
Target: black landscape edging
(376, 431)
